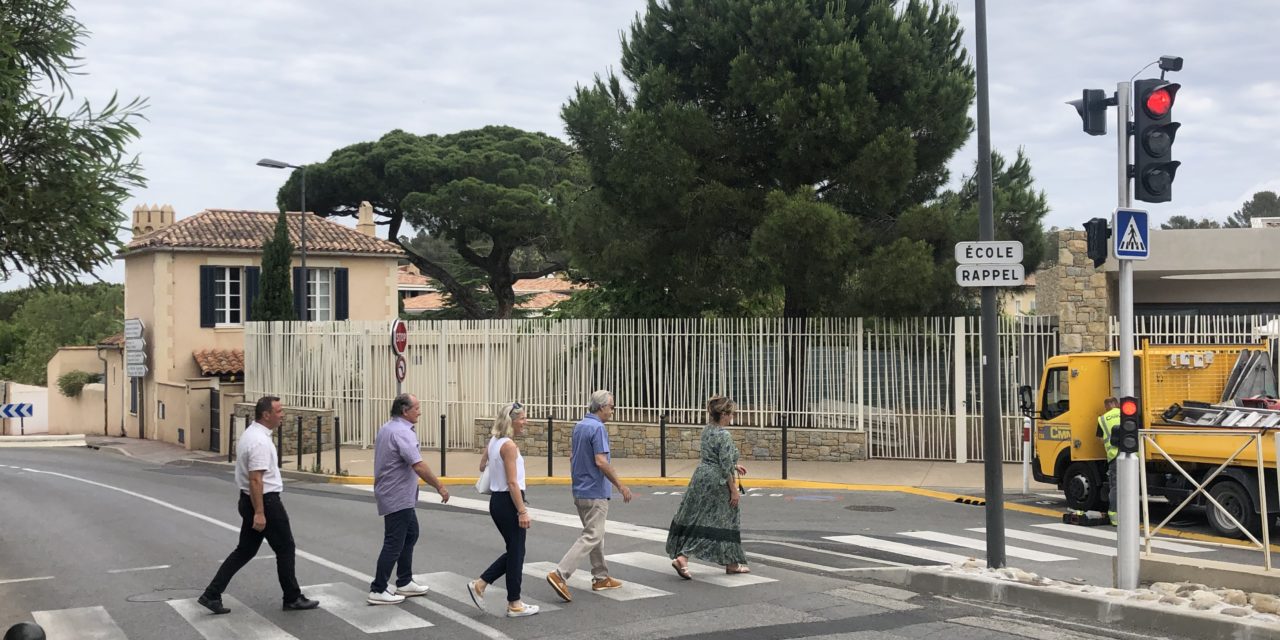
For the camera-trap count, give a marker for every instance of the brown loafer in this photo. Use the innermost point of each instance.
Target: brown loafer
(559, 585)
(605, 584)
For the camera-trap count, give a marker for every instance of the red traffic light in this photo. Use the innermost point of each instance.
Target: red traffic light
(1160, 101)
(1128, 407)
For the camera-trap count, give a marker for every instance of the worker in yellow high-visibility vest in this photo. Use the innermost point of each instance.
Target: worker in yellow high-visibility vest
(1107, 423)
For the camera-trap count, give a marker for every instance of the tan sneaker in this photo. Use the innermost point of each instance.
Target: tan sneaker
(561, 587)
(605, 584)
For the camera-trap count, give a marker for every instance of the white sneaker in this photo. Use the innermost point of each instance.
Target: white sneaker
(384, 597)
(412, 589)
(528, 610)
(477, 597)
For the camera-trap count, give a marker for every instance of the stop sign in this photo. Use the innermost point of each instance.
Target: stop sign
(399, 336)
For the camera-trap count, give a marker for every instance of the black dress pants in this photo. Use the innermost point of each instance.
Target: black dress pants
(277, 534)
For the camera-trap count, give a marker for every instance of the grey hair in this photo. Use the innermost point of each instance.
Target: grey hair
(598, 400)
(401, 404)
(502, 422)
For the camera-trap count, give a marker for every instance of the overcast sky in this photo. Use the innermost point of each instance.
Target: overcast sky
(232, 81)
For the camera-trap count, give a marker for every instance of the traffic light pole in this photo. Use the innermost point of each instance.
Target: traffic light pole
(992, 445)
(1127, 463)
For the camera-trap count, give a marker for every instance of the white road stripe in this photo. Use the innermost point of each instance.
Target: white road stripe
(1106, 534)
(441, 610)
(981, 545)
(88, 623)
(242, 622)
(701, 572)
(15, 580)
(908, 550)
(454, 586)
(581, 582)
(348, 603)
(151, 568)
(1054, 541)
(829, 552)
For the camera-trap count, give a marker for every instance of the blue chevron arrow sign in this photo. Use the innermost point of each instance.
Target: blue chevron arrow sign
(17, 410)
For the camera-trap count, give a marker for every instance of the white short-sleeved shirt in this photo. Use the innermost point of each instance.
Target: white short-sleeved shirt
(256, 452)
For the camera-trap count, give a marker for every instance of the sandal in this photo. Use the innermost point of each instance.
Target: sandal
(683, 572)
(737, 569)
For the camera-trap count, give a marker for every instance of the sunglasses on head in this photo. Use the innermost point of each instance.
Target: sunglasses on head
(515, 406)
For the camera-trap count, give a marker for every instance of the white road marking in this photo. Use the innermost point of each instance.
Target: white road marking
(852, 556)
(151, 568)
(242, 622)
(701, 572)
(581, 581)
(981, 545)
(16, 580)
(1054, 541)
(1094, 532)
(348, 603)
(908, 550)
(454, 586)
(87, 623)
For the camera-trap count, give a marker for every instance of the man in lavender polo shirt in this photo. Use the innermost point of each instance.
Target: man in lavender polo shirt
(397, 465)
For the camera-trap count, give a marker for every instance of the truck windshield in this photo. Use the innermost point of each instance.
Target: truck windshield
(1055, 401)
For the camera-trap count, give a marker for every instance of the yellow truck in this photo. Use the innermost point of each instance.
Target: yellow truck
(1181, 388)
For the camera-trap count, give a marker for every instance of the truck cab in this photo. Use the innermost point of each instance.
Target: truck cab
(1067, 451)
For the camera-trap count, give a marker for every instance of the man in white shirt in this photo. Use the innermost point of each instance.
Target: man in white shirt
(261, 511)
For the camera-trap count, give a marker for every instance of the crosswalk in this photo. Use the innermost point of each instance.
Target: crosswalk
(1059, 539)
(346, 602)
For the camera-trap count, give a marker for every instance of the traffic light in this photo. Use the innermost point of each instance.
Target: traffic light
(1154, 130)
(1096, 235)
(1125, 437)
(1092, 107)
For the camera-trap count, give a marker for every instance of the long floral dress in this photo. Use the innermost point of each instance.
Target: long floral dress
(706, 526)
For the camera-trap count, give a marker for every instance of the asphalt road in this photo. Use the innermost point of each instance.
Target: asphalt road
(104, 548)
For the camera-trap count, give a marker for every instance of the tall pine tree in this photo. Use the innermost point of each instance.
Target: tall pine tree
(275, 296)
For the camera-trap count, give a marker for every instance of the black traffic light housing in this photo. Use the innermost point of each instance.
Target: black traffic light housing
(1097, 233)
(1125, 437)
(1153, 133)
(1092, 107)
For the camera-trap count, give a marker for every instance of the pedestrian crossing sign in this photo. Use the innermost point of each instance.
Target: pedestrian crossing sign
(1132, 236)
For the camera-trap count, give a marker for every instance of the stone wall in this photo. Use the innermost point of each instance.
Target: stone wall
(684, 441)
(289, 428)
(1070, 287)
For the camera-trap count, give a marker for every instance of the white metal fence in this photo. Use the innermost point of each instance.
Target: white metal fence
(914, 385)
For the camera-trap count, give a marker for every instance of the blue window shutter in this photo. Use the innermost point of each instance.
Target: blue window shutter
(208, 303)
(251, 277)
(340, 294)
(299, 294)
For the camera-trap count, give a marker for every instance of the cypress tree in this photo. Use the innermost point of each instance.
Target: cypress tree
(275, 295)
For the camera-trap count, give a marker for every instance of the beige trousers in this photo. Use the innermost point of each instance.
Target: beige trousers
(591, 543)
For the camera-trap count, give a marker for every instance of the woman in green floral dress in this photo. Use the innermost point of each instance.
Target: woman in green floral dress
(707, 525)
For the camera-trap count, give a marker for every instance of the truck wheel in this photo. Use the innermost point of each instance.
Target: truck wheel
(1082, 485)
(1235, 499)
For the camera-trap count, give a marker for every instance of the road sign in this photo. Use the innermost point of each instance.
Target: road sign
(990, 275)
(399, 336)
(17, 410)
(1132, 237)
(133, 328)
(992, 252)
(401, 368)
(135, 357)
(135, 344)
(135, 370)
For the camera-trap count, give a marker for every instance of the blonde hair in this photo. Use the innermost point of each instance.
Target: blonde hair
(502, 427)
(718, 407)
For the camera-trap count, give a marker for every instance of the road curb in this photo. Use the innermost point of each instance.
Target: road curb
(38, 441)
(1149, 617)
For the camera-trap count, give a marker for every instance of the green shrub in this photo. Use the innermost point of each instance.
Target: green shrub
(72, 382)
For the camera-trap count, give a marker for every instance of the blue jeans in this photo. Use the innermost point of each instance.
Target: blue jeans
(400, 533)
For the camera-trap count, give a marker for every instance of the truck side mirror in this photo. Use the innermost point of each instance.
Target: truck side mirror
(1026, 401)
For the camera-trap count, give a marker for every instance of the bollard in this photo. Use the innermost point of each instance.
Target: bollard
(231, 438)
(299, 428)
(279, 447)
(550, 431)
(784, 447)
(337, 447)
(662, 444)
(319, 427)
(444, 441)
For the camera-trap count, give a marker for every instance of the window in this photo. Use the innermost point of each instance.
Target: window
(1055, 401)
(319, 294)
(228, 303)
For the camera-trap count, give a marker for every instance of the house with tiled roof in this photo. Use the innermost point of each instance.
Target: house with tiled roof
(192, 283)
(534, 296)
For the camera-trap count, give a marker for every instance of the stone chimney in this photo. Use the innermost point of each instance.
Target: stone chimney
(364, 222)
(154, 218)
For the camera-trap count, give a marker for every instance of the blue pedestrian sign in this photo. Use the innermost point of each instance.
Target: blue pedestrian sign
(1132, 236)
(17, 410)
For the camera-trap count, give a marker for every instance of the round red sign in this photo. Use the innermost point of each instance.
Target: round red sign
(401, 368)
(399, 336)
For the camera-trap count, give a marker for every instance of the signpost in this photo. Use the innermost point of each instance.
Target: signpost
(399, 342)
(135, 362)
(19, 410)
(989, 264)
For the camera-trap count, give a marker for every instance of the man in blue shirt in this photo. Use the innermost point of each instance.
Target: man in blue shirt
(589, 462)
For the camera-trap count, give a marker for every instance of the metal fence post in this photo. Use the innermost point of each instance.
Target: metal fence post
(231, 437)
(550, 443)
(298, 426)
(337, 446)
(444, 440)
(784, 447)
(662, 444)
(319, 445)
(280, 445)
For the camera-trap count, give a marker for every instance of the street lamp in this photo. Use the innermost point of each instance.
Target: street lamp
(276, 164)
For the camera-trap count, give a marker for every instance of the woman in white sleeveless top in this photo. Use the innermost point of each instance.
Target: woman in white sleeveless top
(507, 508)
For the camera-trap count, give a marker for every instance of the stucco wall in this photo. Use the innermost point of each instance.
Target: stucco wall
(70, 415)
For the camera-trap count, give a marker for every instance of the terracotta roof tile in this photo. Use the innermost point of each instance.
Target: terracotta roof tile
(426, 302)
(407, 275)
(219, 361)
(224, 229)
(543, 300)
(556, 283)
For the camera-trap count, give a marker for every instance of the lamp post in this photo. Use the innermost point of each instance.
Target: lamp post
(276, 164)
